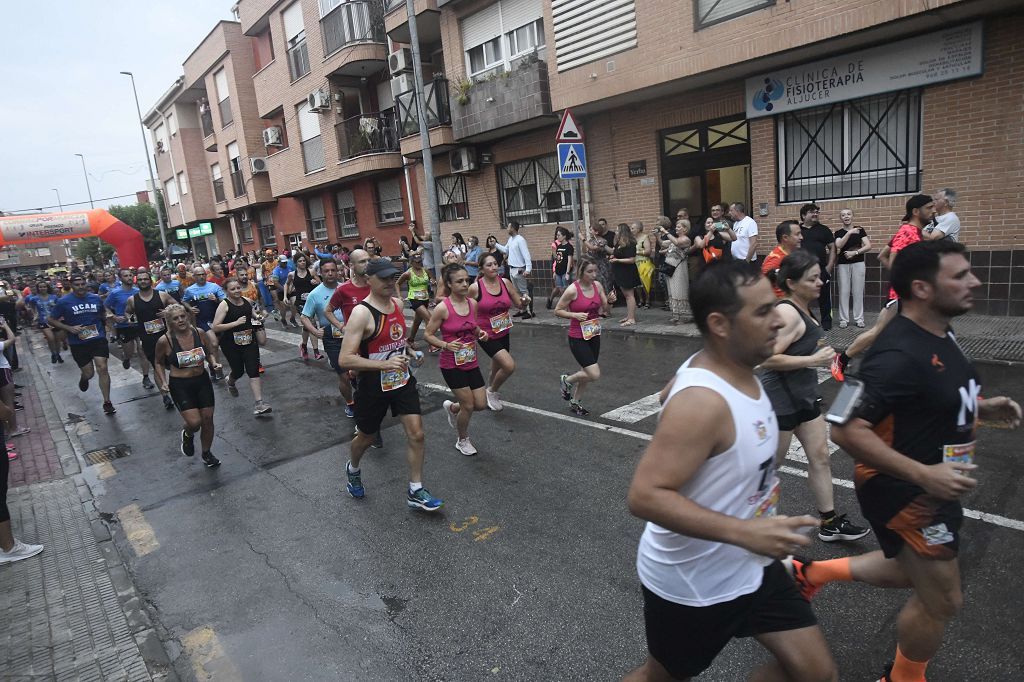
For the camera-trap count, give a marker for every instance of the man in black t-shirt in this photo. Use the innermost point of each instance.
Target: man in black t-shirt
(819, 240)
(563, 257)
(913, 438)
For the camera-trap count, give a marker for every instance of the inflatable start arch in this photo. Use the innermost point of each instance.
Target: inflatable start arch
(48, 227)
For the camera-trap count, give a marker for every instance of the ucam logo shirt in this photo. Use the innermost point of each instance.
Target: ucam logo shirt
(81, 312)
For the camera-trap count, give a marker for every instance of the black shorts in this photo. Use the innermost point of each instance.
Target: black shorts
(372, 403)
(191, 393)
(126, 334)
(415, 303)
(6, 376)
(149, 342)
(204, 325)
(686, 639)
(789, 422)
(332, 349)
(243, 359)
(586, 352)
(463, 378)
(83, 353)
(900, 515)
(493, 346)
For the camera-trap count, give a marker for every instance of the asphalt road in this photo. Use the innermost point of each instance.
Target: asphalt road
(266, 569)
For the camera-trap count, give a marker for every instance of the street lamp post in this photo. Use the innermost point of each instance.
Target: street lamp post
(59, 202)
(86, 174)
(149, 165)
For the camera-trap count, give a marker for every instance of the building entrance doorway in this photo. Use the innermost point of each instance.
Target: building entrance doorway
(704, 164)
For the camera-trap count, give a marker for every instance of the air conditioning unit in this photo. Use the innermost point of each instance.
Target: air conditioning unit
(403, 82)
(462, 160)
(319, 101)
(272, 137)
(258, 164)
(400, 61)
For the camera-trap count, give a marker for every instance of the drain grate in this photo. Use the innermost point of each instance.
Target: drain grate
(108, 454)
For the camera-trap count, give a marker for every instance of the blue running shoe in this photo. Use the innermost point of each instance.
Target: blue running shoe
(422, 499)
(350, 411)
(355, 483)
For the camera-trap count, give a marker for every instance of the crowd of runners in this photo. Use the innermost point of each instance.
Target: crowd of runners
(717, 560)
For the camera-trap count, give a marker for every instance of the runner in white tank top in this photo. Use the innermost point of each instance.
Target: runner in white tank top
(709, 556)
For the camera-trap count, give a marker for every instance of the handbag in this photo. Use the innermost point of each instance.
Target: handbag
(667, 268)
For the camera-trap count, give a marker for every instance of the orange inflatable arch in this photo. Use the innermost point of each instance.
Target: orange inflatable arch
(48, 227)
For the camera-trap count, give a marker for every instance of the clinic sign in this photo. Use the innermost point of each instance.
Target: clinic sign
(903, 64)
(39, 227)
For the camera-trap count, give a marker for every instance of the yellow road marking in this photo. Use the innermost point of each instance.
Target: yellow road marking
(140, 533)
(209, 662)
(105, 470)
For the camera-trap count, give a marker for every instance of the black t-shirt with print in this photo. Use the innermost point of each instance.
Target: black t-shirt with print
(856, 240)
(816, 240)
(562, 254)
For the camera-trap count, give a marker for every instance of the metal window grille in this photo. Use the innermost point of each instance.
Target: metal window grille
(389, 200)
(317, 222)
(709, 12)
(864, 147)
(246, 231)
(267, 235)
(532, 192)
(345, 216)
(451, 198)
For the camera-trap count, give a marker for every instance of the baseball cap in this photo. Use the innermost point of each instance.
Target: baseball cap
(381, 267)
(282, 259)
(916, 201)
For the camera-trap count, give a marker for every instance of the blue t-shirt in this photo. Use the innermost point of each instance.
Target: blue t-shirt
(117, 301)
(316, 304)
(104, 289)
(81, 312)
(43, 305)
(473, 255)
(206, 298)
(173, 287)
(281, 274)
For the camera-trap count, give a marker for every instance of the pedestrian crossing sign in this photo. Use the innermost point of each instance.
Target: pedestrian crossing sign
(572, 161)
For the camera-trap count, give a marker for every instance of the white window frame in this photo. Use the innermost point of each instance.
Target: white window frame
(488, 66)
(172, 124)
(390, 216)
(171, 190)
(183, 183)
(160, 139)
(535, 29)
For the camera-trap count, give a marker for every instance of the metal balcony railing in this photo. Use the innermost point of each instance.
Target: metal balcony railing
(206, 119)
(357, 21)
(218, 190)
(436, 103)
(226, 116)
(313, 154)
(393, 4)
(369, 133)
(237, 183)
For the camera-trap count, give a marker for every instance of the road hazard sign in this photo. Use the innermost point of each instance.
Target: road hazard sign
(572, 161)
(568, 131)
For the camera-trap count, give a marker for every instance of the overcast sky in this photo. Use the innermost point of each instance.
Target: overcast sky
(61, 93)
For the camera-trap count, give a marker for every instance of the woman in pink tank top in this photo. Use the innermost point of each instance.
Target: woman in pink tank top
(584, 304)
(495, 296)
(456, 318)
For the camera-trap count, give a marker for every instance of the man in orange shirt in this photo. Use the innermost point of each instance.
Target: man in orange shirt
(789, 237)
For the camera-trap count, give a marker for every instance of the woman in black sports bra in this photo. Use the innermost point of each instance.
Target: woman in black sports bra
(241, 334)
(296, 289)
(183, 352)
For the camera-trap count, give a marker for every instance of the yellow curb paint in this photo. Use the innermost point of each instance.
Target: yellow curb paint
(140, 533)
(209, 662)
(105, 470)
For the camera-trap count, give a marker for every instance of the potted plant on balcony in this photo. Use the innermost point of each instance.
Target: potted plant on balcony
(461, 88)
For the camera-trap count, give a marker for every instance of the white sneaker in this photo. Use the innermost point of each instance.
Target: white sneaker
(493, 400)
(465, 447)
(22, 551)
(448, 411)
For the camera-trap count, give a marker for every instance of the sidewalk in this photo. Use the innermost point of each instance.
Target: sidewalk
(70, 613)
(995, 340)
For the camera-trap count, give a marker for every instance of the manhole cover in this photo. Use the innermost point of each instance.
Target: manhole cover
(108, 454)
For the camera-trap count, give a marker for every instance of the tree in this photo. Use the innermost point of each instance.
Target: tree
(142, 217)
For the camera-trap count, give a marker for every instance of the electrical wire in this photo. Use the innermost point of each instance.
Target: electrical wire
(67, 203)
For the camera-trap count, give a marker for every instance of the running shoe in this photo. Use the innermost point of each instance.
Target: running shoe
(317, 355)
(355, 482)
(19, 406)
(378, 442)
(19, 551)
(579, 409)
(83, 384)
(168, 403)
(839, 368)
(108, 408)
(147, 382)
(20, 432)
(294, 323)
(796, 566)
(565, 386)
(60, 360)
(350, 410)
(839, 528)
(127, 362)
(261, 408)
(303, 353)
(53, 358)
(218, 374)
(210, 461)
(11, 455)
(188, 443)
(262, 369)
(233, 390)
(422, 499)
(448, 411)
(493, 400)
(465, 447)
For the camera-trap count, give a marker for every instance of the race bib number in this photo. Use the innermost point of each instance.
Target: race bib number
(153, 326)
(303, 297)
(464, 356)
(420, 295)
(243, 338)
(962, 453)
(501, 323)
(768, 504)
(393, 379)
(191, 358)
(591, 328)
(88, 333)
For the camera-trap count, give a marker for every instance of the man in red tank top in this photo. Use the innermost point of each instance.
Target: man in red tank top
(375, 346)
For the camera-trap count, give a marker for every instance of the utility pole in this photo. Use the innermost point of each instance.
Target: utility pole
(86, 174)
(149, 166)
(59, 202)
(428, 159)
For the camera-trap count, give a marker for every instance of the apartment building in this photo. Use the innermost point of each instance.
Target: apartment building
(849, 103)
(324, 99)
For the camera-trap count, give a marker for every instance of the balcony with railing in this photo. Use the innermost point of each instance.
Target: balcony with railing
(218, 190)
(206, 120)
(369, 142)
(428, 21)
(226, 116)
(438, 113)
(237, 183)
(354, 37)
(514, 101)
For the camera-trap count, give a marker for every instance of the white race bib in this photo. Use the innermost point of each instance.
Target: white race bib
(191, 358)
(393, 379)
(464, 356)
(88, 333)
(962, 453)
(501, 323)
(591, 328)
(153, 326)
(243, 338)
